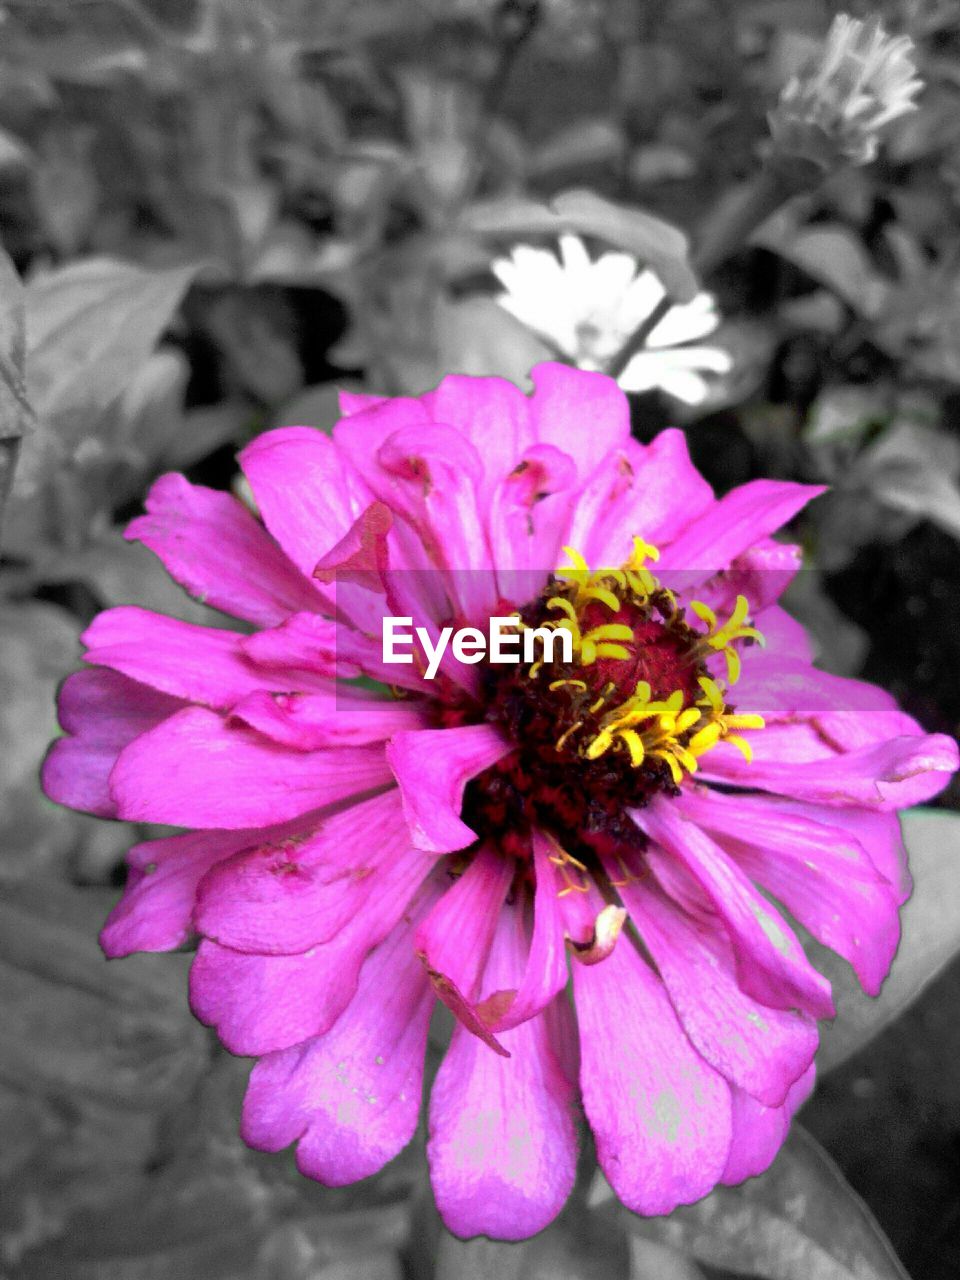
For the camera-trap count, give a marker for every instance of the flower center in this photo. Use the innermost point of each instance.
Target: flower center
(628, 717)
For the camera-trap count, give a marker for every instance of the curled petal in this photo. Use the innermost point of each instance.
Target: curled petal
(454, 940)
(432, 768)
(545, 971)
(102, 713)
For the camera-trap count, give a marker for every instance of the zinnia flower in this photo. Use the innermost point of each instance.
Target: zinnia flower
(587, 310)
(861, 80)
(350, 858)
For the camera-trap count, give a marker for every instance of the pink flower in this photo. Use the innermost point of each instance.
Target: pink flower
(351, 857)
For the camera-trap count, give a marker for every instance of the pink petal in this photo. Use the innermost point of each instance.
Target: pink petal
(878, 834)
(651, 491)
(359, 556)
(311, 721)
(155, 912)
(529, 521)
(302, 642)
(102, 713)
(285, 896)
(545, 972)
(304, 495)
(761, 573)
(820, 873)
(502, 1146)
(201, 664)
(454, 940)
(350, 1098)
(783, 634)
(262, 1003)
(740, 519)
(584, 414)
(307, 642)
(214, 547)
(194, 770)
(771, 964)
(788, 688)
(889, 775)
(493, 414)
(762, 1050)
(352, 402)
(432, 474)
(432, 768)
(660, 1115)
(759, 1132)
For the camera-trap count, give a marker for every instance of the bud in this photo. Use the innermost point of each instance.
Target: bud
(833, 111)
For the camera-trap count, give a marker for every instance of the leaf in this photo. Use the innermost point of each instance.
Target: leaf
(474, 336)
(798, 1221)
(589, 141)
(38, 643)
(914, 469)
(650, 1260)
(662, 247)
(931, 938)
(90, 327)
(78, 1027)
(479, 1259)
(15, 411)
(834, 255)
(316, 406)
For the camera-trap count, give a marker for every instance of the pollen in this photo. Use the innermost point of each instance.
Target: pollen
(643, 697)
(639, 685)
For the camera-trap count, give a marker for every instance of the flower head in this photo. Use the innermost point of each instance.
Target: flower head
(612, 816)
(861, 80)
(588, 309)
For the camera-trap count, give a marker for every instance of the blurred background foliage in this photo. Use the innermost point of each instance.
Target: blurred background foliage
(224, 209)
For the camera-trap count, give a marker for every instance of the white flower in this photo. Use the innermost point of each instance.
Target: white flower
(861, 80)
(587, 310)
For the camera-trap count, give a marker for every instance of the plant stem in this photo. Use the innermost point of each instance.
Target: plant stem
(9, 452)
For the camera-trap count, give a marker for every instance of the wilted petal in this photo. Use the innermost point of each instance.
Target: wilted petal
(659, 1114)
(350, 1099)
(502, 1146)
(545, 971)
(285, 896)
(262, 1003)
(454, 940)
